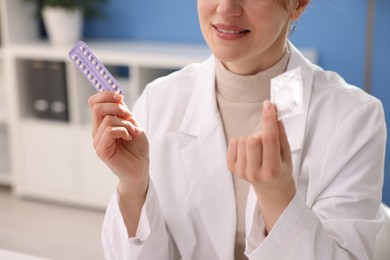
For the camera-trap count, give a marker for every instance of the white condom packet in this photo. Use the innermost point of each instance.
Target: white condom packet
(287, 94)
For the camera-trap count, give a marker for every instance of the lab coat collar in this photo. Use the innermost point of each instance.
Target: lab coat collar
(295, 126)
(202, 107)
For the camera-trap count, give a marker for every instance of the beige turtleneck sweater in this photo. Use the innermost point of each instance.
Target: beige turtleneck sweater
(240, 100)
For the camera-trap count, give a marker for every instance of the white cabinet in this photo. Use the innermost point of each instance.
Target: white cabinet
(53, 159)
(59, 163)
(13, 28)
(48, 158)
(97, 183)
(5, 172)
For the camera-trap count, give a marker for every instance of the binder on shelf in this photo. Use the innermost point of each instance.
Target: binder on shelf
(4, 151)
(37, 87)
(57, 91)
(48, 90)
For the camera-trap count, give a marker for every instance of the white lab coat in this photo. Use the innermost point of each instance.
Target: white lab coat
(337, 147)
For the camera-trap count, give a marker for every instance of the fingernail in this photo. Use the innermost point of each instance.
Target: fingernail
(267, 105)
(117, 97)
(138, 130)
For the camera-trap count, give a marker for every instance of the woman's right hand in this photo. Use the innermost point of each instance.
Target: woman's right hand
(122, 145)
(118, 139)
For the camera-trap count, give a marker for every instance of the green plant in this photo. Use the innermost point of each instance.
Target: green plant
(90, 7)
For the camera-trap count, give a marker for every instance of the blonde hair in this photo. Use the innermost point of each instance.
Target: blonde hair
(288, 5)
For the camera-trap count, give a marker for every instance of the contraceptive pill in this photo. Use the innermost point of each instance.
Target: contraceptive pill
(96, 73)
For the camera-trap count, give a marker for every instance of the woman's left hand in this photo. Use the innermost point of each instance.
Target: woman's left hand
(264, 160)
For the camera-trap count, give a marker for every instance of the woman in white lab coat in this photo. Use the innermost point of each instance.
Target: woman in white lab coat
(315, 178)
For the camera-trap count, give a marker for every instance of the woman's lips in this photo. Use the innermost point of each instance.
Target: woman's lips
(228, 32)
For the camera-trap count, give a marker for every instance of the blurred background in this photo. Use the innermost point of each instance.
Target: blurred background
(53, 189)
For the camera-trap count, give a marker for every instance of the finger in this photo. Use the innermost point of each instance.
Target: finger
(110, 122)
(94, 104)
(105, 147)
(253, 154)
(270, 137)
(284, 145)
(105, 97)
(241, 157)
(113, 98)
(232, 154)
(102, 98)
(101, 110)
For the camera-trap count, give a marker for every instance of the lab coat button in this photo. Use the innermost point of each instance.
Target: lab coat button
(138, 242)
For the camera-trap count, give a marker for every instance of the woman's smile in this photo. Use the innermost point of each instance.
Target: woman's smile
(229, 32)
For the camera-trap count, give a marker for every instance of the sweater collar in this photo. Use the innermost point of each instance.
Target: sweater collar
(247, 88)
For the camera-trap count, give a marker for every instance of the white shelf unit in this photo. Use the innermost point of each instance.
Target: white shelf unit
(54, 160)
(16, 25)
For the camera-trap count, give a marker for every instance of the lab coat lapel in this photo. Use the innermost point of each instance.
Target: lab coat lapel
(205, 163)
(296, 126)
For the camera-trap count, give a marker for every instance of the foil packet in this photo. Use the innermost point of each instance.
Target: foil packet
(287, 93)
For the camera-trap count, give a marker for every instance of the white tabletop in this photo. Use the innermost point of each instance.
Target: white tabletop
(9, 255)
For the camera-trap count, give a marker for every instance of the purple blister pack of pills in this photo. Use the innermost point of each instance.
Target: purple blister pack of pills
(87, 62)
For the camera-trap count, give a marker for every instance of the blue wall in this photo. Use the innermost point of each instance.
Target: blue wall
(336, 28)
(381, 71)
(148, 20)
